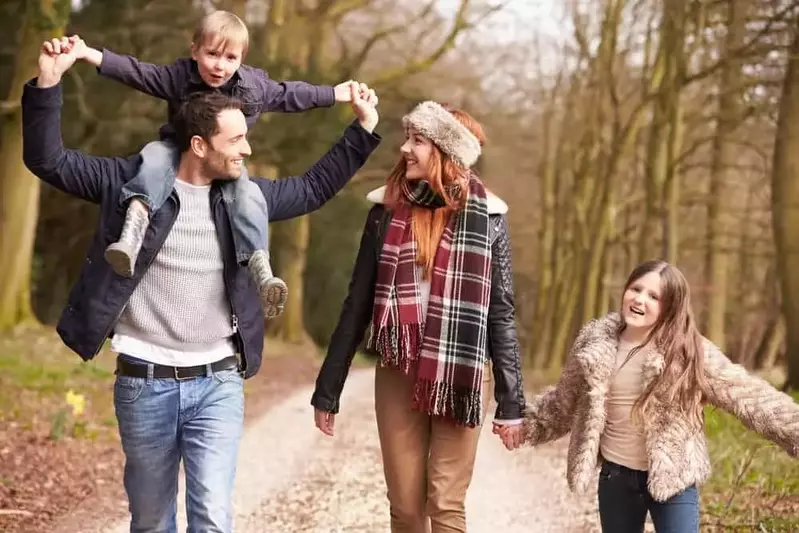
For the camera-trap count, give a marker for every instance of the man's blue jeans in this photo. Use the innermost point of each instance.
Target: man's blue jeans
(624, 501)
(164, 421)
(249, 215)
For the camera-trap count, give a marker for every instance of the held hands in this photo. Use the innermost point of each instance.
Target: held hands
(364, 105)
(511, 435)
(343, 91)
(56, 56)
(324, 421)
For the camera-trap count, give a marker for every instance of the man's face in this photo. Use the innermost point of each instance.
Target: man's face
(225, 154)
(217, 62)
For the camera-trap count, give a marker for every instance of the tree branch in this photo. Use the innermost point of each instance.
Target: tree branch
(356, 64)
(743, 49)
(9, 106)
(459, 25)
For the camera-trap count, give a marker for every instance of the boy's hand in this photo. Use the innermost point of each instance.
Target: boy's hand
(364, 102)
(84, 51)
(342, 91)
(78, 46)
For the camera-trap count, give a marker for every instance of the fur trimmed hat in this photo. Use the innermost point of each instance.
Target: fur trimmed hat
(440, 126)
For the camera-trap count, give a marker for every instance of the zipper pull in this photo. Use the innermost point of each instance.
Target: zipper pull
(235, 324)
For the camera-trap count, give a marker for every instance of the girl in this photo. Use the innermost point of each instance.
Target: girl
(632, 395)
(433, 279)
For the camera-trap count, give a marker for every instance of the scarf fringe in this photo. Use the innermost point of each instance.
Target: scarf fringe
(438, 398)
(399, 347)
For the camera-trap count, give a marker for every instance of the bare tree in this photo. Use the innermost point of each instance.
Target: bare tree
(785, 205)
(19, 189)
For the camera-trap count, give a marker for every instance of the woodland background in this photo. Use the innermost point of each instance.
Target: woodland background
(619, 130)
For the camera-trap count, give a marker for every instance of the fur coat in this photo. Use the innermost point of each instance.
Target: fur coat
(676, 452)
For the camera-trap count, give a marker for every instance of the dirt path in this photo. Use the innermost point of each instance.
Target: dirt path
(293, 479)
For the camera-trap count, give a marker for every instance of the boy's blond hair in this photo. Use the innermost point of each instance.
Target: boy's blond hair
(222, 29)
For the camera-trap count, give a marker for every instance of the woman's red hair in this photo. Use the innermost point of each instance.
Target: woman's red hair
(428, 224)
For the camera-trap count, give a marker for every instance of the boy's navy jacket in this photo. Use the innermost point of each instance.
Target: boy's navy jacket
(252, 86)
(98, 297)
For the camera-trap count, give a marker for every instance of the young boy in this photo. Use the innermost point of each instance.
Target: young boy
(218, 47)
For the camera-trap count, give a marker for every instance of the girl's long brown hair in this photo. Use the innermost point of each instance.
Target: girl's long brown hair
(676, 336)
(428, 224)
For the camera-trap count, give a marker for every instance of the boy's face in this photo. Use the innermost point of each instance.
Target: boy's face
(217, 61)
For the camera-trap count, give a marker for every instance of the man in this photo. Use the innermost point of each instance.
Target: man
(189, 325)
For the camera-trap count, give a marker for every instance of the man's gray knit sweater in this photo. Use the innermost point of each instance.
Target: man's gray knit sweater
(181, 302)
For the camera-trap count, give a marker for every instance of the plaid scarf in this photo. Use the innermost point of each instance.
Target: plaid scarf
(446, 348)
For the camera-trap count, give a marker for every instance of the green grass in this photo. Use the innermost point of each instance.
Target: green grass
(754, 485)
(36, 371)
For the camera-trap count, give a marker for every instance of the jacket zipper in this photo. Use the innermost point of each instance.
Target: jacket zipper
(234, 319)
(147, 267)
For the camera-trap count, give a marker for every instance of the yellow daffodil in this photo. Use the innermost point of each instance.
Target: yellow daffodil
(76, 401)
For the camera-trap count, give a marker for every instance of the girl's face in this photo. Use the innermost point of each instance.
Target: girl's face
(640, 305)
(417, 151)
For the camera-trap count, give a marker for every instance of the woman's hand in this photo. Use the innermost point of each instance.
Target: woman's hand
(511, 435)
(324, 421)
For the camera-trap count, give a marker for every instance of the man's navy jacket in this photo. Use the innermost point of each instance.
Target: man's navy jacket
(100, 295)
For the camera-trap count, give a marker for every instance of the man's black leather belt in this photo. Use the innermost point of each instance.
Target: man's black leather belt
(126, 368)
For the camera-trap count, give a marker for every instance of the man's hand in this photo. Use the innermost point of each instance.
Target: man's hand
(343, 91)
(364, 105)
(55, 57)
(324, 421)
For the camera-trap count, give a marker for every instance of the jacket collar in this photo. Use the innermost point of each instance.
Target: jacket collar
(496, 206)
(595, 351)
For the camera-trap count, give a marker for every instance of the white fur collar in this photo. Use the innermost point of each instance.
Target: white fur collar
(496, 206)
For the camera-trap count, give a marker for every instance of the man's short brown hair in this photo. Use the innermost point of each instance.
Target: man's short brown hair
(199, 115)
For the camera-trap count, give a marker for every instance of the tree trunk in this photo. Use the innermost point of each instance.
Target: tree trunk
(290, 239)
(564, 325)
(546, 253)
(720, 215)
(604, 300)
(769, 348)
(19, 189)
(658, 237)
(671, 222)
(785, 209)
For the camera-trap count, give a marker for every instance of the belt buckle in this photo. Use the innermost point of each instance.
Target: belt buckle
(176, 370)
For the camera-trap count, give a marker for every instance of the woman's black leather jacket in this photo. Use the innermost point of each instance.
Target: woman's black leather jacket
(356, 314)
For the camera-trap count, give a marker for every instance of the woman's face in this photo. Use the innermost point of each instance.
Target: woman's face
(417, 151)
(640, 305)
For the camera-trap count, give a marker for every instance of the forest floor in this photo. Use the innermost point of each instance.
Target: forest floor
(61, 466)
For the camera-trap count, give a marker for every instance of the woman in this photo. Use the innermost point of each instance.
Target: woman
(632, 395)
(433, 280)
